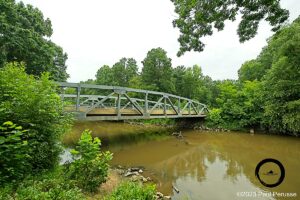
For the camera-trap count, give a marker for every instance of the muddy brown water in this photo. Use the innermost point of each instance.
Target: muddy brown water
(205, 165)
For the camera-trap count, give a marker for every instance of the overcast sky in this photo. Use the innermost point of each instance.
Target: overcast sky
(98, 32)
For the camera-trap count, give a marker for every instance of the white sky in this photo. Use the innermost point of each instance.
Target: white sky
(98, 32)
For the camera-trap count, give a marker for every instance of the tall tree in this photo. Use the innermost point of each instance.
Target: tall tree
(104, 75)
(157, 71)
(198, 18)
(282, 82)
(24, 36)
(123, 71)
(178, 74)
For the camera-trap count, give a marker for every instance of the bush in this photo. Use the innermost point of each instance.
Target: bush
(132, 190)
(34, 105)
(214, 118)
(46, 186)
(14, 153)
(90, 166)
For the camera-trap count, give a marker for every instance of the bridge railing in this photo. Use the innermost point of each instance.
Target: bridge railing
(118, 103)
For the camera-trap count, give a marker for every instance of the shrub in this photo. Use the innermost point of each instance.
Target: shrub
(34, 105)
(133, 190)
(90, 166)
(214, 118)
(46, 186)
(14, 153)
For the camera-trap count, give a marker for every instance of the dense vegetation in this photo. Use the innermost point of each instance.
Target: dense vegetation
(32, 123)
(131, 190)
(33, 105)
(266, 95)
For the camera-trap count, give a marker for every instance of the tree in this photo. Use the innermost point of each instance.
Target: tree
(123, 71)
(24, 36)
(34, 105)
(178, 74)
(281, 86)
(251, 70)
(120, 74)
(157, 71)
(192, 80)
(250, 96)
(104, 75)
(196, 19)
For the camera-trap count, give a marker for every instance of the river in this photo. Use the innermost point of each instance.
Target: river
(202, 165)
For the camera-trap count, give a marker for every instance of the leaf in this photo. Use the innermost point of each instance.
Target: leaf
(8, 123)
(2, 140)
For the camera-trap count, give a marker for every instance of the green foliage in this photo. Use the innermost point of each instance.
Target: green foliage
(238, 105)
(46, 186)
(157, 71)
(282, 100)
(251, 70)
(14, 153)
(121, 73)
(34, 105)
(90, 166)
(198, 18)
(214, 118)
(24, 37)
(104, 75)
(132, 190)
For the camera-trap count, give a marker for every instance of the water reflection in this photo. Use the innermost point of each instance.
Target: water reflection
(213, 166)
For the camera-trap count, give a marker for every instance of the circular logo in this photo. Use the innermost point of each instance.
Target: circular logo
(270, 172)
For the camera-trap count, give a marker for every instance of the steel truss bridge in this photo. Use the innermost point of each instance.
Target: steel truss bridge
(101, 102)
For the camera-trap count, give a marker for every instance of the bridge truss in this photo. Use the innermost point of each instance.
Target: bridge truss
(101, 102)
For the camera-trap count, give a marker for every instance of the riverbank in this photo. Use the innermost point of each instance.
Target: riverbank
(119, 175)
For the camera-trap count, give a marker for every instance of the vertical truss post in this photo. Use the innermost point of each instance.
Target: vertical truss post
(146, 105)
(119, 105)
(165, 105)
(179, 106)
(189, 107)
(78, 88)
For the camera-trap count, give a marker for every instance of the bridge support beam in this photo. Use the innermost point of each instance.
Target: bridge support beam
(78, 98)
(146, 106)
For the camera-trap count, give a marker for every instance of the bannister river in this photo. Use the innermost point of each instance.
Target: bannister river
(202, 165)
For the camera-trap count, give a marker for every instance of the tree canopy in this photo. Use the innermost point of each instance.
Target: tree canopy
(157, 71)
(197, 19)
(24, 37)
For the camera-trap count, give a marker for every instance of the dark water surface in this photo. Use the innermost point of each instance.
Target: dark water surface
(208, 165)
